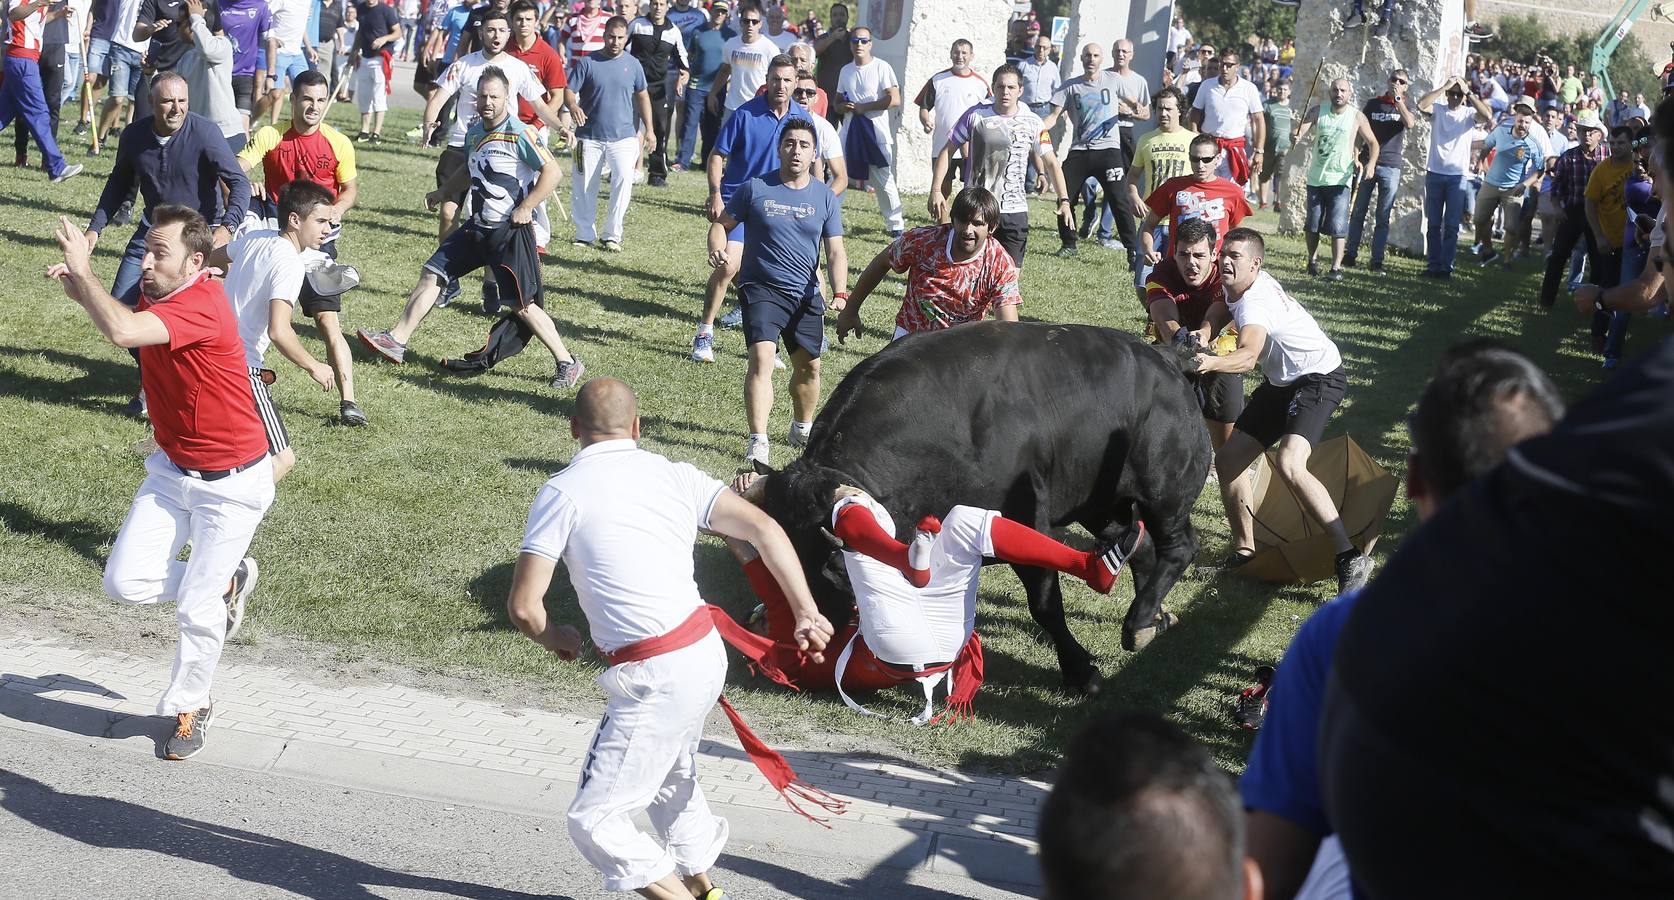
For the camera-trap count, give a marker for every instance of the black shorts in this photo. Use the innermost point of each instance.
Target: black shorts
(1221, 396)
(770, 315)
(1301, 408)
(277, 438)
(244, 92)
(423, 78)
(451, 161)
(312, 303)
(1013, 234)
(468, 249)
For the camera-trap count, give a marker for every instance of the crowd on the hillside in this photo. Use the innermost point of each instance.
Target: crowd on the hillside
(783, 120)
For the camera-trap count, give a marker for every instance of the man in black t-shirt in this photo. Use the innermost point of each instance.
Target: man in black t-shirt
(1390, 116)
(1178, 294)
(831, 54)
(657, 44)
(376, 38)
(156, 20)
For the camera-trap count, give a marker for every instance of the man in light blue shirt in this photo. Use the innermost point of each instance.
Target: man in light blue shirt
(1520, 151)
(607, 90)
(1041, 80)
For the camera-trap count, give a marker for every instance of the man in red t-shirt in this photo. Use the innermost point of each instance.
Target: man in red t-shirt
(1200, 195)
(212, 481)
(1178, 295)
(538, 55)
(955, 274)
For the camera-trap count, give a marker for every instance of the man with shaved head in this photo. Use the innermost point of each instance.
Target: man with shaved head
(623, 520)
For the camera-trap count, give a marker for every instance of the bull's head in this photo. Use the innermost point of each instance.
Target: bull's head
(800, 498)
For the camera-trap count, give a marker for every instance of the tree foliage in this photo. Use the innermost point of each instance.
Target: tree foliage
(1522, 38)
(1225, 24)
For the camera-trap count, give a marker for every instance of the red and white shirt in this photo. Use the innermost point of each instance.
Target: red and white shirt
(941, 292)
(1218, 201)
(947, 95)
(23, 40)
(197, 386)
(584, 34)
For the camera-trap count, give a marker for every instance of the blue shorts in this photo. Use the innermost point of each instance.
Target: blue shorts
(289, 66)
(1328, 210)
(98, 50)
(123, 70)
(770, 315)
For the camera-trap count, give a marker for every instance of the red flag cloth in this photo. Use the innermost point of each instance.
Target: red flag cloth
(772, 765)
(389, 76)
(1237, 160)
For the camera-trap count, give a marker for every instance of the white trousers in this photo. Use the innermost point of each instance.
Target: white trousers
(218, 518)
(644, 757)
(590, 161)
(370, 96)
(882, 180)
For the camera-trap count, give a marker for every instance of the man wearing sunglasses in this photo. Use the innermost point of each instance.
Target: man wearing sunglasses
(1390, 116)
(744, 62)
(866, 92)
(1200, 195)
(1451, 123)
(1231, 109)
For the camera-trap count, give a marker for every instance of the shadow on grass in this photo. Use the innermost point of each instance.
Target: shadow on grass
(100, 377)
(253, 858)
(85, 538)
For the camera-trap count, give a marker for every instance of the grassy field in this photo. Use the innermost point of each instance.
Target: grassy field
(395, 542)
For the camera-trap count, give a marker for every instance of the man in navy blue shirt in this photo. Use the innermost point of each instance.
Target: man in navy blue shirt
(1483, 399)
(746, 148)
(785, 217)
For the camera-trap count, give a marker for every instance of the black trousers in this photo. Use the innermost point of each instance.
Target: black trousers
(1110, 167)
(709, 127)
(662, 110)
(1571, 229)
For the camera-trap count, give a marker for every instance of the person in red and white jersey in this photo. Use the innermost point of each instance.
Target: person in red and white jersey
(583, 33)
(623, 521)
(212, 480)
(955, 273)
(944, 99)
(1230, 108)
(1200, 195)
(21, 95)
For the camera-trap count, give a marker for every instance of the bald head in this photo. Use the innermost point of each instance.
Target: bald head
(605, 409)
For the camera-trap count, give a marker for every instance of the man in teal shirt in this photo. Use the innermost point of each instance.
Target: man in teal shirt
(1335, 169)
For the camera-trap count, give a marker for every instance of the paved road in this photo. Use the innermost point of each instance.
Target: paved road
(80, 818)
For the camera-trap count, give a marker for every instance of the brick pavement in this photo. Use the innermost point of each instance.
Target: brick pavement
(381, 721)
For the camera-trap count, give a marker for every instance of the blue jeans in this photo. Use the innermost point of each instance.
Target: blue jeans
(1141, 271)
(1386, 179)
(1444, 209)
(128, 271)
(1634, 258)
(691, 114)
(1091, 207)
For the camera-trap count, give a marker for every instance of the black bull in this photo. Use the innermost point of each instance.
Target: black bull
(1050, 424)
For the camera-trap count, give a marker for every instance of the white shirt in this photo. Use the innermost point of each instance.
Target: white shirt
(953, 94)
(265, 267)
(1001, 148)
(783, 40)
(462, 77)
(127, 13)
(1295, 344)
(749, 67)
(825, 134)
(1227, 110)
(866, 84)
(290, 20)
(624, 520)
(907, 625)
(1450, 138)
(1178, 37)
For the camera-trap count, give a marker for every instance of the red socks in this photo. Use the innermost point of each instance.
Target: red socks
(1018, 543)
(859, 530)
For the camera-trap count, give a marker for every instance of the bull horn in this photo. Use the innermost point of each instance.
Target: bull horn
(835, 541)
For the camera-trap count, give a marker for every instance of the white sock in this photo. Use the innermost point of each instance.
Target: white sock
(706, 329)
(757, 438)
(801, 429)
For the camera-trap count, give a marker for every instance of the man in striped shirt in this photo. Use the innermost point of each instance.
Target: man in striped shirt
(1569, 190)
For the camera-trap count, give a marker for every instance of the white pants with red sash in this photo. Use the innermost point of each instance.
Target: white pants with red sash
(644, 757)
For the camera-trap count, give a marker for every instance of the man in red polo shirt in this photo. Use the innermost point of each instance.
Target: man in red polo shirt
(1200, 195)
(538, 55)
(312, 150)
(212, 481)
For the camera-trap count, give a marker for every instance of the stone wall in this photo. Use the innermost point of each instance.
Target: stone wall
(1426, 39)
(914, 37)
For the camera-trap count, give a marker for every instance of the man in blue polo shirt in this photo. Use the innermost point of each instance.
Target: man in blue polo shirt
(746, 148)
(784, 218)
(1483, 399)
(607, 93)
(1520, 149)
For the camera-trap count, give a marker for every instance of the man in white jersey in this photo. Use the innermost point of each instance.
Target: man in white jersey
(292, 50)
(945, 97)
(1231, 109)
(1004, 137)
(866, 91)
(744, 60)
(265, 270)
(1303, 382)
(623, 521)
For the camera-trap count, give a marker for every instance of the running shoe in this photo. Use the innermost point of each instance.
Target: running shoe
(755, 450)
(69, 172)
(243, 584)
(569, 373)
(1066, 252)
(703, 347)
(714, 893)
(778, 361)
(584, 245)
(1249, 708)
(351, 413)
(1334, 275)
(1113, 558)
(81, 128)
(732, 319)
(381, 343)
(1354, 569)
(450, 291)
(611, 246)
(189, 728)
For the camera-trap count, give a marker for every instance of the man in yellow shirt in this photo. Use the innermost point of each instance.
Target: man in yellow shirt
(1162, 154)
(1607, 219)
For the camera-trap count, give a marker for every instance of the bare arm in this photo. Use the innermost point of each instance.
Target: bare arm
(1306, 125)
(551, 173)
(837, 270)
(713, 169)
(347, 194)
(284, 337)
(1251, 340)
(718, 87)
(733, 516)
(1283, 850)
(526, 607)
(119, 324)
(938, 172)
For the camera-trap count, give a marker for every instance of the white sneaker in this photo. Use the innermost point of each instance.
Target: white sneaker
(778, 361)
(756, 451)
(703, 348)
(796, 438)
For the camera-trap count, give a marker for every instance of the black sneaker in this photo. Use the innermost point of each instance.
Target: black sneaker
(449, 292)
(1249, 708)
(135, 408)
(1066, 251)
(1313, 267)
(243, 584)
(1237, 559)
(351, 413)
(568, 375)
(1334, 275)
(1354, 569)
(187, 739)
(81, 128)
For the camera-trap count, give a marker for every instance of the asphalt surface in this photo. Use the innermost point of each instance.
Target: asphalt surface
(80, 818)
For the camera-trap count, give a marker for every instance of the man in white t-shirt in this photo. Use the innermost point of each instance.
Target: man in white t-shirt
(265, 269)
(623, 521)
(289, 45)
(775, 29)
(866, 91)
(744, 60)
(1230, 108)
(1449, 168)
(1179, 39)
(1302, 383)
(1002, 140)
(946, 96)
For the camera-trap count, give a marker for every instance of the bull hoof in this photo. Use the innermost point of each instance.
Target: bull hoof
(1087, 687)
(1140, 638)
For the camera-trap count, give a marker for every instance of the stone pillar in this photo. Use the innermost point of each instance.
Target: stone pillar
(914, 36)
(1426, 38)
